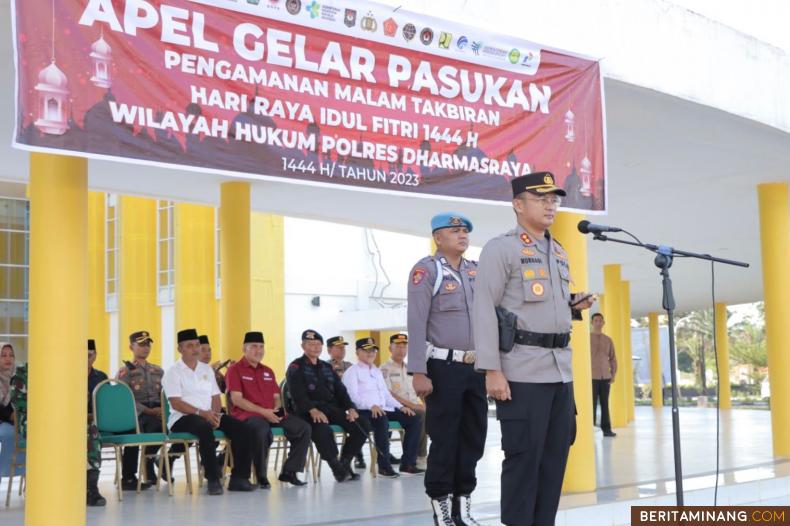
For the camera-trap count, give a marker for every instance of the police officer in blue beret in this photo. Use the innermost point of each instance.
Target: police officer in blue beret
(441, 359)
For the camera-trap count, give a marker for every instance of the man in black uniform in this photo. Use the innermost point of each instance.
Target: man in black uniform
(441, 358)
(320, 398)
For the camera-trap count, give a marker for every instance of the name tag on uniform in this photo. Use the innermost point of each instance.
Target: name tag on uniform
(267, 377)
(250, 378)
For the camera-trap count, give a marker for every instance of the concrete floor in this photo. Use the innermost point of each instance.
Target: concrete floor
(638, 463)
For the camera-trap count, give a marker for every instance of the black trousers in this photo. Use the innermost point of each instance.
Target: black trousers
(324, 438)
(412, 426)
(538, 427)
(239, 441)
(296, 430)
(148, 424)
(456, 419)
(600, 391)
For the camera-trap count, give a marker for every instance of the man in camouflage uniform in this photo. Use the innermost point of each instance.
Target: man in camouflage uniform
(145, 380)
(19, 401)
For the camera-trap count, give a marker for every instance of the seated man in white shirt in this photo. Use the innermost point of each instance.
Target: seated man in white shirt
(191, 388)
(366, 387)
(400, 385)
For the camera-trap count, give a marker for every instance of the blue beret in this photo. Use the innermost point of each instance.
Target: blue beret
(449, 220)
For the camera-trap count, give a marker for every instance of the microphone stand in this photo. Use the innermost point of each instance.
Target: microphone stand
(663, 260)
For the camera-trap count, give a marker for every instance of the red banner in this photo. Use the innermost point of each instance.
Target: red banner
(343, 93)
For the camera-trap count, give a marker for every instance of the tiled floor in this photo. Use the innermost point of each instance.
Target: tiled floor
(637, 464)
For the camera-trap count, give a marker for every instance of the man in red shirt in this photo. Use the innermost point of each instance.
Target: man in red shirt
(252, 387)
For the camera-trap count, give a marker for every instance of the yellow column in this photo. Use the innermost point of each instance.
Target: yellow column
(723, 352)
(618, 402)
(58, 331)
(195, 291)
(234, 249)
(268, 287)
(98, 319)
(138, 288)
(627, 365)
(656, 384)
(580, 473)
(775, 248)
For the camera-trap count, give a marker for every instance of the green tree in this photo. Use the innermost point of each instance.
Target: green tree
(747, 344)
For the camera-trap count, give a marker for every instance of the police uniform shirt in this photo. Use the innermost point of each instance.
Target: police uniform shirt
(442, 320)
(311, 385)
(195, 387)
(532, 280)
(145, 380)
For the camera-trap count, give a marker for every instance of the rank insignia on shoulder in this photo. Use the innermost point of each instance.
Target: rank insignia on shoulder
(451, 286)
(527, 252)
(472, 272)
(525, 238)
(537, 289)
(417, 276)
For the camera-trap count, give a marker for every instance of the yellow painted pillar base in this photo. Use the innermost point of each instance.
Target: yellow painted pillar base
(235, 277)
(628, 362)
(58, 332)
(618, 401)
(723, 351)
(656, 383)
(580, 472)
(775, 249)
(268, 287)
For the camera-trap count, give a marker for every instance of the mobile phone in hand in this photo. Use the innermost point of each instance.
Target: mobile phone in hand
(585, 298)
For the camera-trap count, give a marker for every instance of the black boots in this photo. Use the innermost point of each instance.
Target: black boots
(94, 498)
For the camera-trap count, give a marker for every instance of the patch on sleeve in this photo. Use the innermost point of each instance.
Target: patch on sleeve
(418, 275)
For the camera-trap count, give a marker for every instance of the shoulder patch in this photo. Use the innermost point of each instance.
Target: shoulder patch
(418, 275)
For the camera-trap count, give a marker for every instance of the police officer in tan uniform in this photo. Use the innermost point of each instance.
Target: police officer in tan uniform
(525, 271)
(145, 380)
(441, 359)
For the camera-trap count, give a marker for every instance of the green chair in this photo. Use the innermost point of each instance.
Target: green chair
(20, 445)
(188, 439)
(114, 415)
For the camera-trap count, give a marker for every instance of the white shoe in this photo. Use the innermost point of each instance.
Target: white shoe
(443, 511)
(462, 515)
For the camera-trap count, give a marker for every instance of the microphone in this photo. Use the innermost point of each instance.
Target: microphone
(585, 227)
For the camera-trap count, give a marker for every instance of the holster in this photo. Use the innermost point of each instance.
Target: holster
(507, 323)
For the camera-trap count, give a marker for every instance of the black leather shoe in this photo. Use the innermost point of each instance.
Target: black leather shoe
(263, 483)
(291, 478)
(239, 484)
(388, 473)
(411, 470)
(95, 499)
(215, 488)
(609, 434)
(340, 472)
(347, 465)
(131, 485)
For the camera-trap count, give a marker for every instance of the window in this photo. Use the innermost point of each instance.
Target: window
(112, 229)
(14, 272)
(165, 253)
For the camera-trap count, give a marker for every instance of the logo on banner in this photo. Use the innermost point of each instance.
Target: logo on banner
(314, 8)
(350, 18)
(461, 42)
(426, 36)
(445, 39)
(514, 55)
(368, 23)
(293, 6)
(390, 27)
(476, 47)
(254, 2)
(409, 30)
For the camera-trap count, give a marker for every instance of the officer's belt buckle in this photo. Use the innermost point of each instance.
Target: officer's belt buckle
(469, 357)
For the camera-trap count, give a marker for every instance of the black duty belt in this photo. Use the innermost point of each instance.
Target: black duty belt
(541, 339)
